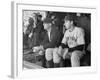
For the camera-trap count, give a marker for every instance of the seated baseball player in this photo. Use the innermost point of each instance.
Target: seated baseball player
(73, 42)
(52, 40)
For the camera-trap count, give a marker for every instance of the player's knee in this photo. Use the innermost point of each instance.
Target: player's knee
(48, 54)
(56, 60)
(56, 57)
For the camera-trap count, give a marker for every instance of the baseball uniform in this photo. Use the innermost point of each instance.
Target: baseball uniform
(74, 41)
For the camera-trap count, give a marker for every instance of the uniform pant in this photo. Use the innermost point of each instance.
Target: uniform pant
(52, 57)
(73, 56)
(51, 54)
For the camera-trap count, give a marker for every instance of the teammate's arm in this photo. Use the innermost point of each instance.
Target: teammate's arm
(63, 44)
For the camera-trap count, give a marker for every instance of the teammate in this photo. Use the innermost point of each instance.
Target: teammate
(51, 41)
(73, 42)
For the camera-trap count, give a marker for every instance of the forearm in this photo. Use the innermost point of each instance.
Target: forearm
(80, 47)
(64, 46)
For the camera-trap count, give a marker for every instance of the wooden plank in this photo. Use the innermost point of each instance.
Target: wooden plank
(31, 65)
(27, 51)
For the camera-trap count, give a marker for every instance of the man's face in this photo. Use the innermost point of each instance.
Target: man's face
(67, 24)
(34, 17)
(46, 25)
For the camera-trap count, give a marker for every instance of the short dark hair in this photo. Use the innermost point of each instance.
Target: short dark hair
(71, 17)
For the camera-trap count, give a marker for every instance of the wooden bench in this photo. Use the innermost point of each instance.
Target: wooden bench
(31, 59)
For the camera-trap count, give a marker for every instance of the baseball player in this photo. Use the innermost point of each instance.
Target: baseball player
(73, 42)
(51, 41)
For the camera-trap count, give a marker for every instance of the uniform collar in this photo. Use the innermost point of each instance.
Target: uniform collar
(70, 30)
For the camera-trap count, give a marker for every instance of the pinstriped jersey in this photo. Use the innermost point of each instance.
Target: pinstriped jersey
(74, 38)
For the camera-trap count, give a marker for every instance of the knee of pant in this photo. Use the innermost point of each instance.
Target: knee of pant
(55, 50)
(48, 54)
(56, 58)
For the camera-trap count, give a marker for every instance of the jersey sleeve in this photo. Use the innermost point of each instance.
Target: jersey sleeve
(64, 40)
(80, 37)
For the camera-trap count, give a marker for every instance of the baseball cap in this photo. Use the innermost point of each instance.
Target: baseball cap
(47, 20)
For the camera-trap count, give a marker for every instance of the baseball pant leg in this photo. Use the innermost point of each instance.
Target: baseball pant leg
(75, 58)
(49, 57)
(56, 58)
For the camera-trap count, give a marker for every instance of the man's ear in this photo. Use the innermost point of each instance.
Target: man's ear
(50, 24)
(71, 22)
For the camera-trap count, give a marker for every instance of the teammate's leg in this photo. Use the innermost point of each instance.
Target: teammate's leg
(49, 57)
(56, 58)
(75, 58)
